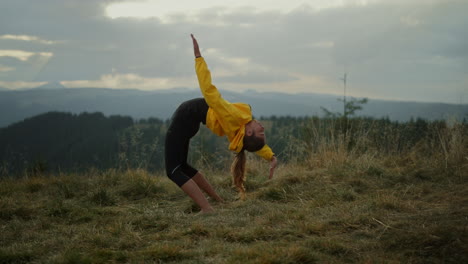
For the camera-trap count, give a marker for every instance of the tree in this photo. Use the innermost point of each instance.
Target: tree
(350, 108)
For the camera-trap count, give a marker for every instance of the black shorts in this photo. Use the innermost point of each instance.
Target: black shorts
(185, 124)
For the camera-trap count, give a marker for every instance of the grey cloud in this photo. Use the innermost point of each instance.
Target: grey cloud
(371, 42)
(92, 44)
(257, 77)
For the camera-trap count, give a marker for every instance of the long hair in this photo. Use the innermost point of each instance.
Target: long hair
(251, 144)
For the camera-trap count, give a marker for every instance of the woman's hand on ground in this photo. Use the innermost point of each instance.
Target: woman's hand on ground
(273, 163)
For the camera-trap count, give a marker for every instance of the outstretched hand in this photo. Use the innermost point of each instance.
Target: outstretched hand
(273, 163)
(196, 49)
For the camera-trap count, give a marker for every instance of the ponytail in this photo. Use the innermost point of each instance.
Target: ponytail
(251, 144)
(238, 173)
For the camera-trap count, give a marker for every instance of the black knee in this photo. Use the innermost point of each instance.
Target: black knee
(178, 176)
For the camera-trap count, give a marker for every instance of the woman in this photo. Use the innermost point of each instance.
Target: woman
(223, 118)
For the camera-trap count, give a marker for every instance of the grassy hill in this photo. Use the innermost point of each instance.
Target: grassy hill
(336, 206)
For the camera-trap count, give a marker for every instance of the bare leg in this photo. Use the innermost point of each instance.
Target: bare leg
(206, 186)
(192, 189)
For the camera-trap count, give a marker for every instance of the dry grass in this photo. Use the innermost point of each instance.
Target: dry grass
(335, 207)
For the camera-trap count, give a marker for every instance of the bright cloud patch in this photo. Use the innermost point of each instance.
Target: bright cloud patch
(28, 38)
(168, 10)
(323, 44)
(20, 85)
(6, 69)
(23, 55)
(132, 81)
(410, 21)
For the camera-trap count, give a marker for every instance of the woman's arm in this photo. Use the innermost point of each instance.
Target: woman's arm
(268, 155)
(196, 49)
(210, 92)
(273, 163)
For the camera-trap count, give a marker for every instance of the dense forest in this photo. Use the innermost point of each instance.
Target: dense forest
(57, 142)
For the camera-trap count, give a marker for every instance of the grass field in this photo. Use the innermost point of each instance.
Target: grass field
(335, 204)
(333, 208)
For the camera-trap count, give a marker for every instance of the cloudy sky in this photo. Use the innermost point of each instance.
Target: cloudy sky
(390, 49)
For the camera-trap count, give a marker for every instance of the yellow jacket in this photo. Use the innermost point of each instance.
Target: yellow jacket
(223, 117)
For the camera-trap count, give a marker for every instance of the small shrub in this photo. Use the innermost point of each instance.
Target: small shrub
(359, 186)
(57, 208)
(264, 254)
(164, 253)
(274, 194)
(73, 257)
(390, 202)
(312, 228)
(102, 197)
(346, 195)
(20, 212)
(197, 230)
(69, 187)
(109, 256)
(328, 246)
(140, 186)
(443, 242)
(7, 257)
(34, 187)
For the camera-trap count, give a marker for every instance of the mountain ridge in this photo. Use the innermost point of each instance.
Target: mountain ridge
(17, 105)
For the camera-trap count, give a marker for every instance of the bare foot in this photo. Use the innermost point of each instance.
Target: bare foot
(208, 210)
(220, 200)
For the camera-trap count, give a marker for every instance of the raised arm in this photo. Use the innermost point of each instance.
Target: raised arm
(196, 49)
(210, 92)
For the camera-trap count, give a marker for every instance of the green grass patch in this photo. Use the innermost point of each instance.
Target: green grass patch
(346, 211)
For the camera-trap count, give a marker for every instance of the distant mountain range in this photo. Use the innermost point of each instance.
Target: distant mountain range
(17, 105)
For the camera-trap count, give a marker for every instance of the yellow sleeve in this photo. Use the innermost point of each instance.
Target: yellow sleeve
(265, 153)
(231, 117)
(209, 91)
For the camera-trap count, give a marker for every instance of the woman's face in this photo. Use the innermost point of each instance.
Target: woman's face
(258, 129)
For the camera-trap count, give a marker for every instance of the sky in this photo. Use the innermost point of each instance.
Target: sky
(389, 49)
